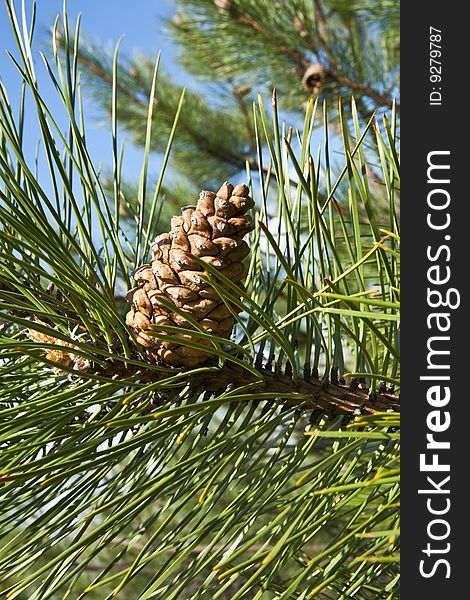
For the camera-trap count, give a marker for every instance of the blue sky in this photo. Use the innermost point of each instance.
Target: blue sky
(141, 22)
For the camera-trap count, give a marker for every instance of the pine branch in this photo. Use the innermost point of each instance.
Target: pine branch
(332, 399)
(102, 442)
(133, 87)
(271, 36)
(380, 99)
(202, 142)
(302, 61)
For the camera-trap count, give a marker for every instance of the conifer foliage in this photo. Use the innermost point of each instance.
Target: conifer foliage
(236, 49)
(203, 404)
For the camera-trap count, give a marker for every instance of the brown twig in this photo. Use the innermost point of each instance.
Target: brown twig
(303, 62)
(332, 399)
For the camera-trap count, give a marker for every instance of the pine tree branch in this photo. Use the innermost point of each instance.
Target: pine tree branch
(238, 162)
(201, 141)
(332, 399)
(238, 94)
(380, 99)
(303, 62)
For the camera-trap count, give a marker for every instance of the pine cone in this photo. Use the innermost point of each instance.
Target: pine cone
(314, 78)
(211, 231)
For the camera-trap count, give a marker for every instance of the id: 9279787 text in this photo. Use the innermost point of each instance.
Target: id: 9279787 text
(435, 66)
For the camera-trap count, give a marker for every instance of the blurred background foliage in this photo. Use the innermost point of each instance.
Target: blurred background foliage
(236, 49)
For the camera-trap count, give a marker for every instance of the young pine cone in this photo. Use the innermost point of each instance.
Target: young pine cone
(211, 231)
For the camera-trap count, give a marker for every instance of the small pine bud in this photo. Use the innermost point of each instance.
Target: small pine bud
(224, 6)
(300, 27)
(242, 90)
(314, 78)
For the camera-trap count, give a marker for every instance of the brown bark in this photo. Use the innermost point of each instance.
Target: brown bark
(332, 399)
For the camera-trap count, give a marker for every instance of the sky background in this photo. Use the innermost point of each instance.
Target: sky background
(143, 24)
